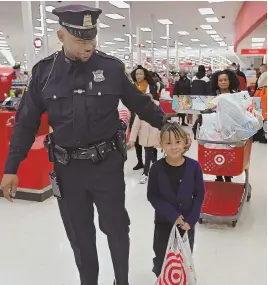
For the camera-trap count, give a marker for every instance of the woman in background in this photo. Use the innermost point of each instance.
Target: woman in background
(146, 84)
(200, 82)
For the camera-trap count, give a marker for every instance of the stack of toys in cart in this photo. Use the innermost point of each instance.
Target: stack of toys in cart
(234, 118)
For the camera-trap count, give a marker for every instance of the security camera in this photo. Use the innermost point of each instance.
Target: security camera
(123, 26)
(223, 17)
(196, 29)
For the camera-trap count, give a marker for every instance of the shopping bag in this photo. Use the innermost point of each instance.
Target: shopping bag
(178, 266)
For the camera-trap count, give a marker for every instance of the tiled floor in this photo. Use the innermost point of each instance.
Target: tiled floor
(35, 250)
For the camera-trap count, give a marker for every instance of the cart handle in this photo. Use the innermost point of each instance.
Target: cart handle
(231, 144)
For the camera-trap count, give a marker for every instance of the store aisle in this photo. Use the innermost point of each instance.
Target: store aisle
(34, 249)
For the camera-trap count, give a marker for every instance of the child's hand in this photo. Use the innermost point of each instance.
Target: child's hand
(132, 144)
(186, 227)
(180, 221)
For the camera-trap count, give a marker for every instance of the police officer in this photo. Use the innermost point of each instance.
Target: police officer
(80, 88)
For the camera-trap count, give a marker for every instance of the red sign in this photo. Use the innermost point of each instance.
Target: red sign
(186, 63)
(37, 43)
(254, 51)
(148, 59)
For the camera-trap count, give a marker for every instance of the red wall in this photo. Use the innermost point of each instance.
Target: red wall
(250, 16)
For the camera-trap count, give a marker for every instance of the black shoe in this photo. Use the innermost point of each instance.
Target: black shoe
(138, 166)
(228, 179)
(219, 179)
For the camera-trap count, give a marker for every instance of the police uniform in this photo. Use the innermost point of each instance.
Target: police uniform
(81, 100)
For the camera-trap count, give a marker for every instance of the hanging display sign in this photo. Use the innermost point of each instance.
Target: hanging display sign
(186, 64)
(37, 43)
(254, 51)
(148, 59)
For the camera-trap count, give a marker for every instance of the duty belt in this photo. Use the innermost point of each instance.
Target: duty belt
(95, 153)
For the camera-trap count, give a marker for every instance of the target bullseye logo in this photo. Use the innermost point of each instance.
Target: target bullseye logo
(173, 272)
(219, 159)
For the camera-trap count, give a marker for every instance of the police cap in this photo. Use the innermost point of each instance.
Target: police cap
(79, 20)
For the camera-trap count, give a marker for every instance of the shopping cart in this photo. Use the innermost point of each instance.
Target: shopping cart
(224, 201)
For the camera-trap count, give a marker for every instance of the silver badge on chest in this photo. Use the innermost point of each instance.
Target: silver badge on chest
(98, 76)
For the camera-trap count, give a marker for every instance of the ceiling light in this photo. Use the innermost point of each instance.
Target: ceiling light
(212, 20)
(258, 40)
(188, 48)
(2, 38)
(183, 33)
(211, 32)
(115, 16)
(163, 46)
(40, 28)
(180, 44)
(223, 44)
(164, 38)
(206, 27)
(103, 26)
(38, 34)
(257, 44)
(109, 43)
(49, 21)
(103, 46)
(3, 45)
(206, 11)
(1, 33)
(120, 49)
(149, 42)
(195, 40)
(203, 45)
(119, 4)
(146, 29)
(50, 9)
(165, 22)
(119, 40)
(215, 36)
(218, 39)
(3, 42)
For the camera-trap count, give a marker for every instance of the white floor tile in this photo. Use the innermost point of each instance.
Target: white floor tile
(223, 255)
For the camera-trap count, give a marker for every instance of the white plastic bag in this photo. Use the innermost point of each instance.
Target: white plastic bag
(178, 266)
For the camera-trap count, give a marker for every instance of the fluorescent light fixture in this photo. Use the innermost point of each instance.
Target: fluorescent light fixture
(165, 22)
(163, 46)
(119, 4)
(211, 32)
(188, 48)
(222, 44)
(231, 47)
(149, 42)
(3, 42)
(119, 40)
(257, 44)
(103, 26)
(183, 33)
(50, 8)
(146, 29)
(109, 43)
(206, 11)
(49, 21)
(3, 45)
(115, 16)
(134, 36)
(38, 34)
(1, 33)
(218, 39)
(203, 45)
(164, 38)
(180, 44)
(206, 27)
(103, 46)
(2, 38)
(120, 50)
(212, 20)
(40, 29)
(195, 40)
(215, 36)
(258, 40)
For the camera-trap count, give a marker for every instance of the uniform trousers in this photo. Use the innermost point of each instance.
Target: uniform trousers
(84, 184)
(161, 236)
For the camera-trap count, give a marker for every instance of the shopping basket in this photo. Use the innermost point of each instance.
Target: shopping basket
(224, 200)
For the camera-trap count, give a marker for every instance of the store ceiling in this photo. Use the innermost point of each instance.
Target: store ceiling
(184, 15)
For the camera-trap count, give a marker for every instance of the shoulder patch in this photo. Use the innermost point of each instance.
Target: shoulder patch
(102, 54)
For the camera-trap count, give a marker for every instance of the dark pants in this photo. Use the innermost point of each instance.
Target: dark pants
(138, 151)
(82, 185)
(161, 237)
(182, 116)
(150, 157)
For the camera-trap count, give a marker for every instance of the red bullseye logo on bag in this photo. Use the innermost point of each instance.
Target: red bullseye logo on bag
(174, 271)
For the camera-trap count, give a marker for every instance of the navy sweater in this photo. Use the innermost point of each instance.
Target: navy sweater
(190, 195)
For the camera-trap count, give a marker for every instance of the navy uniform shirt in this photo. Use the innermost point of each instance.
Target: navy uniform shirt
(78, 120)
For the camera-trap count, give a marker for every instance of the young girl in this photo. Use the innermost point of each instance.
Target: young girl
(149, 137)
(175, 190)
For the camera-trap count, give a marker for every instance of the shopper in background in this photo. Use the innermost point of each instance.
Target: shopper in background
(149, 138)
(182, 87)
(200, 82)
(241, 77)
(146, 84)
(175, 190)
(224, 82)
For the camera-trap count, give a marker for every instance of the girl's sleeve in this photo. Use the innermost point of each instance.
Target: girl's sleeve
(135, 129)
(161, 206)
(198, 197)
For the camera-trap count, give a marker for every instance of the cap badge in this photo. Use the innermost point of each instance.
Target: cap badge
(87, 21)
(98, 76)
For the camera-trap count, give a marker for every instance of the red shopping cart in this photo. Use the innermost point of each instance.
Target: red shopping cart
(224, 201)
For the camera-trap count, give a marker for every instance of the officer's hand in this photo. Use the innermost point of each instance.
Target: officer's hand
(188, 143)
(9, 186)
(132, 144)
